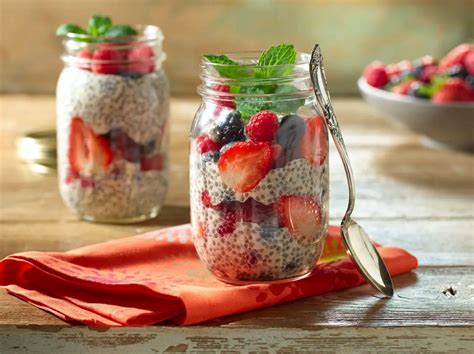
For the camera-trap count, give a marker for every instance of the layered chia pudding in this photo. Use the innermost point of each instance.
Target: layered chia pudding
(112, 126)
(258, 170)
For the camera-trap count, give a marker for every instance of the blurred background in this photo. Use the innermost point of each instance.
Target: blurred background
(351, 32)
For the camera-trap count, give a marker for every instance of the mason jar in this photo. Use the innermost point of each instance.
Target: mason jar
(259, 173)
(112, 103)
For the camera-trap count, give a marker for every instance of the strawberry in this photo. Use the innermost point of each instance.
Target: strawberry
(456, 56)
(84, 56)
(376, 75)
(469, 62)
(88, 153)
(205, 144)
(152, 163)
(245, 164)
(141, 60)
(403, 87)
(314, 144)
(262, 126)
(300, 215)
(108, 61)
(454, 90)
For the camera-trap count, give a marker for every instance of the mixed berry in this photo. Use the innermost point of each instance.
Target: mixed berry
(450, 79)
(110, 49)
(258, 186)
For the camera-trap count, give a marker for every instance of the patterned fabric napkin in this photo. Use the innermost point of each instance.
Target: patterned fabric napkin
(149, 278)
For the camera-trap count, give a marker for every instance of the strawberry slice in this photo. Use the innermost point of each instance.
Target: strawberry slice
(245, 164)
(456, 56)
(314, 143)
(88, 153)
(300, 215)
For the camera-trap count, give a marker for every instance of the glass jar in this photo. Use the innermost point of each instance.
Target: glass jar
(112, 103)
(258, 173)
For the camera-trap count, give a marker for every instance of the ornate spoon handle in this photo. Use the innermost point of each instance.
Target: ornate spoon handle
(318, 77)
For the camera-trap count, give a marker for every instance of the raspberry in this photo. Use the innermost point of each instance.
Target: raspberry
(376, 75)
(263, 126)
(228, 224)
(206, 199)
(84, 57)
(205, 144)
(225, 101)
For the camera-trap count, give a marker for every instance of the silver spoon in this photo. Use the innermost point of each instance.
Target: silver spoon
(364, 254)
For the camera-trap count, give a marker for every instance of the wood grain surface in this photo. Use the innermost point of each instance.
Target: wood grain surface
(408, 195)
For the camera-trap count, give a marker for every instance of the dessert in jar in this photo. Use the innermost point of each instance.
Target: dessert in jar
(258, 167)
(112, 121)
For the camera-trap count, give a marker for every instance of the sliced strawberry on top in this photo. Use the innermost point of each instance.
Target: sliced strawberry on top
(88, 153)
(84, 56)
(314, 143)
(245, 164)
(300, 215)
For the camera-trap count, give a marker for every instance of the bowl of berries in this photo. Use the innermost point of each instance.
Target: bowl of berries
(433, 98)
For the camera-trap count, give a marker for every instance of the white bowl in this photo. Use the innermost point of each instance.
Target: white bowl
(450, 124)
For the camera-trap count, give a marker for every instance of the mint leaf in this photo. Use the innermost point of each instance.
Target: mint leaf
(121, 30)
(98, 25)
(247, 106)
(231, 68)
(63, 30)
(286, 104)
(283, 54)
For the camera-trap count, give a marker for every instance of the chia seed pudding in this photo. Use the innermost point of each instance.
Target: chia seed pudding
(259, 183)
(112, 130)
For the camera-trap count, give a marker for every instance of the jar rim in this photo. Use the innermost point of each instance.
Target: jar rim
(302, 58)
(298, 76)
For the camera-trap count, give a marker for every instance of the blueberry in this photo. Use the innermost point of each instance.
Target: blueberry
(148, 147)
(208, 156)
(268, 233)
(230, 129)
(470, 81)
(457, 71)
(292, 128)
(418, 69)
(211, 156)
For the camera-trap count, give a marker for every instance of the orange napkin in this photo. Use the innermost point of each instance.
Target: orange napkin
(157, 276)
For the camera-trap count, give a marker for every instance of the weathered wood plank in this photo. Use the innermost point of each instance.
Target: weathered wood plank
(237, 340)
(423, 298)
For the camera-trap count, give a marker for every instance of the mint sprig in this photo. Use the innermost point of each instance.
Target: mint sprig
(98, 25)
(230, 68)
(63, 30)
(99, 28)
(275, 62)
(121, 30)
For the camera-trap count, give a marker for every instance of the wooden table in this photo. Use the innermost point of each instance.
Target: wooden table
(408, 195)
